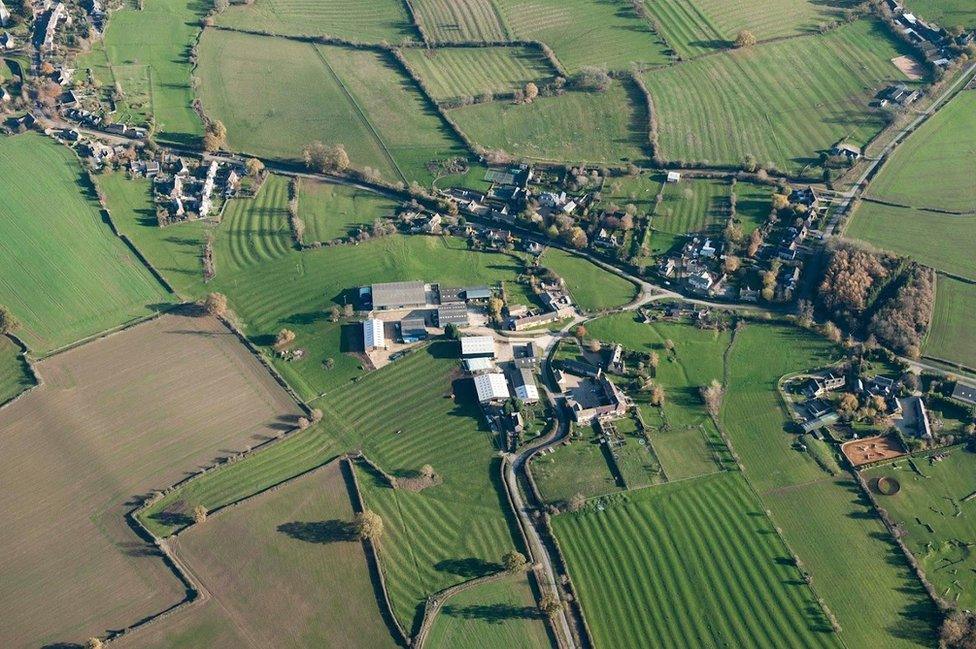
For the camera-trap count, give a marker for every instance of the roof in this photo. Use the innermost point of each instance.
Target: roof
(525, 387)
(491, 386)
(477, 345)
(477, 293)
(963, 392)
(395, 294)
(478, 364)
(453, 312)
(673, 176)
(449, 294)
(372, 333)
(413, 324)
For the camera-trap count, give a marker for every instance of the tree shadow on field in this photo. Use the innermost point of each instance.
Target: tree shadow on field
(139, 550)
(63, 645)
(171, 519)
(493, 613)
(331, 531)
(470, 567)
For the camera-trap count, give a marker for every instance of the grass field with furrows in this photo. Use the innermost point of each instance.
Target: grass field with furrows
(175, 251)
(452, 73)
(497, 614)
(585, 32)
(15, 376)
(942, 241)
(63, 274)
(951, 335)
(295, 576)
(365, 22)
(301, 100)
(145, 54)
(460, 21)
(577, 126)
(255, 230)
(690, 564)
(947, 13)
(592, 287)
(781, 102)
(936, 166)
(693, 206)
(694, 27)
(331, 210)
(939, 524)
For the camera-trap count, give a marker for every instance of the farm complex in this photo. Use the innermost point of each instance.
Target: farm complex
(487, 324)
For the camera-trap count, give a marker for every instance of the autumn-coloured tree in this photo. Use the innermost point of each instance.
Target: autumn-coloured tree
(199, 514)
(514, 562)
(745, 38)
(712, 394)
(369, 525)
(284, 338)
(216, 304)
(8, 322)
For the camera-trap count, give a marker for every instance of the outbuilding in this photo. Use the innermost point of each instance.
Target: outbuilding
(491, 387)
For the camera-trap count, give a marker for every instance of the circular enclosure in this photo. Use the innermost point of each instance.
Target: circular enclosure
(887, 486)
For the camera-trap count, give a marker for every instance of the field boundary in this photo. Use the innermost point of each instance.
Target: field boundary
(436, 602)
(24, 357)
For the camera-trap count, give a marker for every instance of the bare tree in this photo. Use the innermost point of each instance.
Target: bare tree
(712, 394)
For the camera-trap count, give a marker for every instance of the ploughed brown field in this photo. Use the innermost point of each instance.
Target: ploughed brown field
(293, 576)
(112, 421)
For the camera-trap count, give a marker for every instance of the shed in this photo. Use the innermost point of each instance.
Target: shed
(373, 337)
(478, 346)
(399, 295)
(674, 176)
(491, 387)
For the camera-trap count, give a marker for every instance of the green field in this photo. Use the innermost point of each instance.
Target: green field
(63, 273)
(366, 22)
(585, 32)
(592, 288)
(606, 127)
(689, 451)
(497, 614)
(301, 100)
(947, 13)
(15, 376)
(451, 73)
(789, 100)
(331, 211)
(579, 467)
(942, 241)
(254, 231)
(689, 207)
(691, 564)
(939, 525)
(145, 54)
(456, 21)
(700, 26)
(936, 166)
(951, 336)
(176, 251)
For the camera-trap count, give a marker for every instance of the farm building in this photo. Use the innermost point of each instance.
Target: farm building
(373, 337)
(452, 313)
(964, 393)
(449, 294)
(477, 365)
(525, 387)
(491, 387)
(477, 293)
(398, 295)
(674, 176)
(413, 330)
(845, 150)
(478, 347)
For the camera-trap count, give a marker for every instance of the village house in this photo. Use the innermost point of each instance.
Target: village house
(54, 17)
(847, 151)
(701, 281)
(964, 393)
(807, 197)
(899, 95)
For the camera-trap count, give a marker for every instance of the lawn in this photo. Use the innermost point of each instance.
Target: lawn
(609, 127)
(364, 22)
(940, 525)
(146, 54)
(690, 564)
(301, 100)
(942, 241)
(15, 376)
(500, 613)
(175, 251)
(455, 72)
(936, 166)
(579, 467)
(122, 416)
(790, 99)
(689, 451)
(694, 27)
(63, 273)
(296, 576)
(331, 211)
(585, 32)
(951, 337)
(693, 206)
(457, 21)
(592, 287)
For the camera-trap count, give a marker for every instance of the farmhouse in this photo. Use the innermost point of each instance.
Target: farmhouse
(373, 337)
(964, 393)
(528, 321)
(491, 387)
(844, 150)
(478, 347)
(398, 295)
(613, 403)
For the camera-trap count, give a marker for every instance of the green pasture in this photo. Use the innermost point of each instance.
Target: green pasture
(375, 21)
(455, 72)
(579, 467)
(63, 273)
(456, 21)
(942, 241)
(609, 127)
(936, 166)
(690, 564)
(500, 613)
(585, 32)
(331, 211)
(782, 102)
(951, 336)
(15, 376)
(947, 13)
(255, 231)
(592, 287)
(145, 54)
(939, 521)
